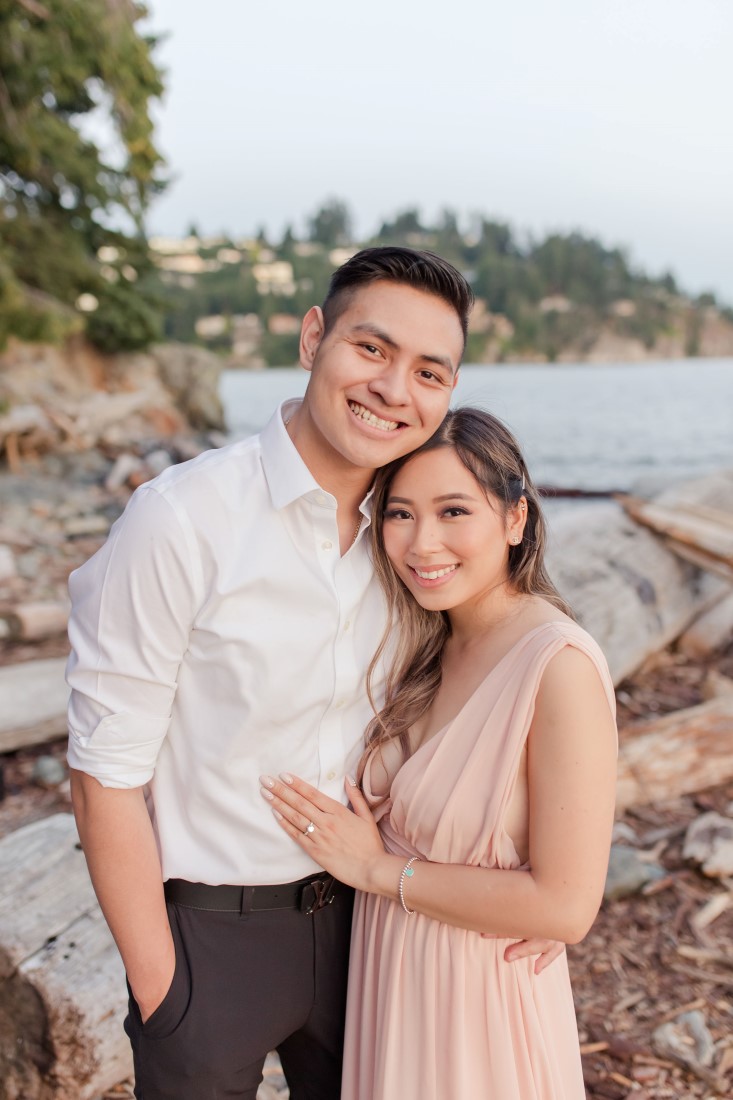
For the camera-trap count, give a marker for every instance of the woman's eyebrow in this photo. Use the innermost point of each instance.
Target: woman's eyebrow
(436, 500)
(453, 496)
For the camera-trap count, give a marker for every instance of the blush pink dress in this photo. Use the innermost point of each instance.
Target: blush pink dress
(434, 1011)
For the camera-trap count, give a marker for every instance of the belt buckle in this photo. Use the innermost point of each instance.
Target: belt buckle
(317, 895)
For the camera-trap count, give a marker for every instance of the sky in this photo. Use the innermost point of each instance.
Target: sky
(612, 117)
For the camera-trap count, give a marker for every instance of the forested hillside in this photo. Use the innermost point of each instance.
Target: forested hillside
(562, 297)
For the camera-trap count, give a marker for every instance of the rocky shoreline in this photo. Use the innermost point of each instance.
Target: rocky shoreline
(652, 980)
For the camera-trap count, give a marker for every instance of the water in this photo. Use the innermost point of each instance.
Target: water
(581, 427)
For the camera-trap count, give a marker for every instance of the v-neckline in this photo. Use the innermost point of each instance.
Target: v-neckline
(439, 732)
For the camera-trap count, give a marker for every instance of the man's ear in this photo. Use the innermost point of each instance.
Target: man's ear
(455, 377)
(311, 334)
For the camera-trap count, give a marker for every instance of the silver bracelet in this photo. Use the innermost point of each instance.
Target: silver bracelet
(407, 872)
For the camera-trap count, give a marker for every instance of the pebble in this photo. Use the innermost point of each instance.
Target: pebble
(627, 873)
(686, 1040)
(125, 465)
(709, 842)
(274, 1086)
(623, 832)
(48, 772)
(29, 564)
(86, 525)
(7, 563)
(157, 461)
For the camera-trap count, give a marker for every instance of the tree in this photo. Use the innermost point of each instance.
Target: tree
(331, 224)
(404, 228)
(71, 213)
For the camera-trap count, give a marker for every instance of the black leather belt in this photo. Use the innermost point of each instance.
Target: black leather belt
(307, 894)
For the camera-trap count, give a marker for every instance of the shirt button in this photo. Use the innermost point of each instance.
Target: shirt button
(331, 775)
(320, 498)
(339, 703)
(347, 624)
(327, 545)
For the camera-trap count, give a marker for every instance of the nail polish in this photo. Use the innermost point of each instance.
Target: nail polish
(267, 781)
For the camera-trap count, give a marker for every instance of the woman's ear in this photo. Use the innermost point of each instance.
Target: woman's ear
(516, 521)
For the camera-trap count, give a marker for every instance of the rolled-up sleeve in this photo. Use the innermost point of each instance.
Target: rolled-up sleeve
(133, 606)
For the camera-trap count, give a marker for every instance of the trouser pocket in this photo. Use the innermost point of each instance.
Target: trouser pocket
(171, 1011)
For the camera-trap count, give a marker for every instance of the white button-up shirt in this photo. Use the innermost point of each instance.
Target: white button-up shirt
(218, 635)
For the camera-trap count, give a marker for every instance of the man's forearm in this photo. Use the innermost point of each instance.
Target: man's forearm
(119, 845)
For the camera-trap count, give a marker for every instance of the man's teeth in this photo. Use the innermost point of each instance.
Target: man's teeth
(435, 573)
(360, 411)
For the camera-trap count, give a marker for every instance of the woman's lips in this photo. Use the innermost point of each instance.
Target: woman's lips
(432, 578)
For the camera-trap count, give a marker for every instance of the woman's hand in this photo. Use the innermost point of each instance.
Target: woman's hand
(346, 844)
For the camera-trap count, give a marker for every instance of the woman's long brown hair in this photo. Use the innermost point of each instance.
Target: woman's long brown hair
(490, 452)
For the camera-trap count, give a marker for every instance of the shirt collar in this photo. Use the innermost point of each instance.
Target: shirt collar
(288, 477)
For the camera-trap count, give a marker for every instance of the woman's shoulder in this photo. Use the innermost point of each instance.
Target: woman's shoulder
(571, 647)
(542, 617)
(575, 659)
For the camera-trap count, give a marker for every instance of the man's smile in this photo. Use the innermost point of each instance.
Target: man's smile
(371, 418)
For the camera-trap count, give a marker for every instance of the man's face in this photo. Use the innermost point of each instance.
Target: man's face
(381, 379)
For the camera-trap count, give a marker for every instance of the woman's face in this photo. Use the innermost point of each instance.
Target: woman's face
(446, 539)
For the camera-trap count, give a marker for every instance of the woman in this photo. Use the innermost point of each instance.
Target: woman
(490, 770)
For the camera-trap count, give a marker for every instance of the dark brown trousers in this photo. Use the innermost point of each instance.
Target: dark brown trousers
(245, 985)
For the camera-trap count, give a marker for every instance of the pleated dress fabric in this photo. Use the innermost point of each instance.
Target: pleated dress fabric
(434, 1011)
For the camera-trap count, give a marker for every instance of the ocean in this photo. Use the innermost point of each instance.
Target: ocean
(627, 427)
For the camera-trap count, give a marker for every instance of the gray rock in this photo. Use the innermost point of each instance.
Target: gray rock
(192, 376)
(86, 525)
(713, 630)
(30, 564)
(686, 1040)
(125, 464)
(7, 563)
(709, 842)
(627, 873)
(623, 832)
(157, 461)
(48, 771)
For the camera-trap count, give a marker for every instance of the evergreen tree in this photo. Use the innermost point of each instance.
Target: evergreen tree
(71, 213)
(331, 224)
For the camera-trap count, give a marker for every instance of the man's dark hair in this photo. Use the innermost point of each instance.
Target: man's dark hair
(406, 266)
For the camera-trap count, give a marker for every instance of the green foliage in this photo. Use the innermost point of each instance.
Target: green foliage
(331, 224)
(557, 294)
(281, 350)
(64, 62)
(124, 320)
(30, 315)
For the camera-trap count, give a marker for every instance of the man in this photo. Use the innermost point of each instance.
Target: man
(222, 632)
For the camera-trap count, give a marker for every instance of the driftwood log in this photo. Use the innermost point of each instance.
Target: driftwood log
(33, 699)
(62, 982)
(679, 753)
(32, 621)
(628, 589)
(696, 532)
